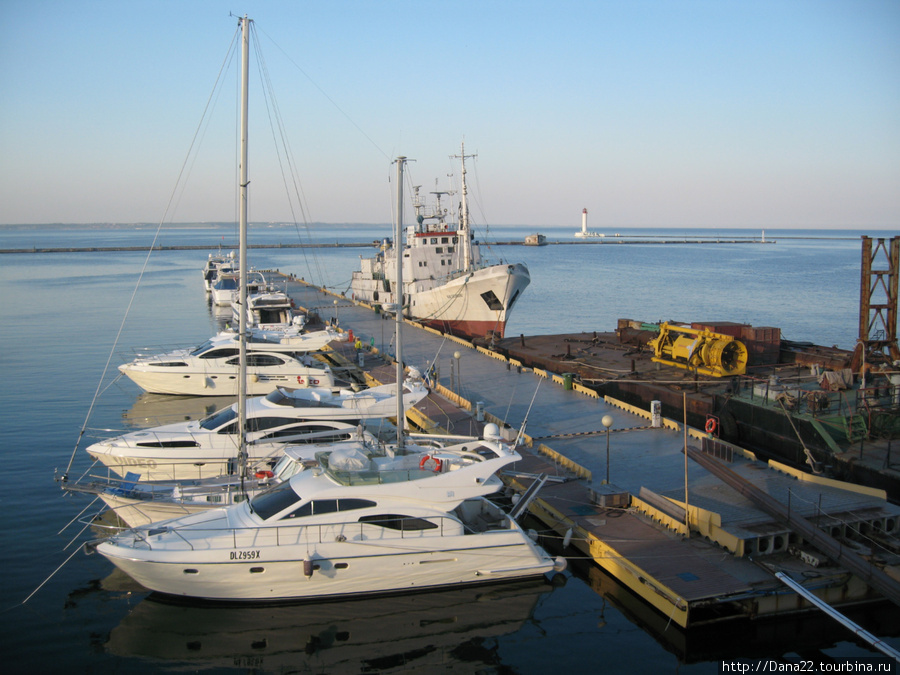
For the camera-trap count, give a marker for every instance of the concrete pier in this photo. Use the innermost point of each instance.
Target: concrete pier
(692, 547)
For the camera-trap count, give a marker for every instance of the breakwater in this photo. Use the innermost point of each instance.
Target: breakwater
(212, 247)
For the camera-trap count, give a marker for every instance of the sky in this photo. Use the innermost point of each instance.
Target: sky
(649, 113)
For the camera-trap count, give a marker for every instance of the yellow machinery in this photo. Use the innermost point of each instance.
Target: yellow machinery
(707, 352)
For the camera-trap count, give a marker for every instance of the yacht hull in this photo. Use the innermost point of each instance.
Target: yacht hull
(156, 379)
(349, 568)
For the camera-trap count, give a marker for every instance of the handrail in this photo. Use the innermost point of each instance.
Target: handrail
(341, 528)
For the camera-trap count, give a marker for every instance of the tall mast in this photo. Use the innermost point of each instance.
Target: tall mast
(242, 259)
(398, 249)
(463, 228)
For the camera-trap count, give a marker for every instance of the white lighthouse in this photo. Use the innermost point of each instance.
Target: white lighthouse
(584, 231)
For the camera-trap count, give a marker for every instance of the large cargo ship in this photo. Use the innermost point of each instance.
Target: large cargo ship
(446, 283)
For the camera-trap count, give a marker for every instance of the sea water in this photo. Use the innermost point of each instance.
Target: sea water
(68, 319)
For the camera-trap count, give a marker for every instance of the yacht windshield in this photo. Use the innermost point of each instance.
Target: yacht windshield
(202, 348)
(268, 503)
(217, 419)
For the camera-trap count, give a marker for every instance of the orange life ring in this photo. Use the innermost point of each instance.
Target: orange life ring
(711, 426)
(438, 464)
(264, 474)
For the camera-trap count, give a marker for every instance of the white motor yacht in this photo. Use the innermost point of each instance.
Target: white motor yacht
(212, 369)
(203, 448)
(226, 288)
(355, 523)
(216, 263)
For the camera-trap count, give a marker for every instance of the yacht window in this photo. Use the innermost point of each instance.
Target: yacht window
(445, 240)
(265, 423)
(169, 444)
(257, 360)
(434, 240)
(222, 353)
(455, 240)
(267, 504)
(401, 523)
(219, 418)
(321, 506)
(439, 249)
(449, 249)
(350, 504)
(303, 511)
(301, 434)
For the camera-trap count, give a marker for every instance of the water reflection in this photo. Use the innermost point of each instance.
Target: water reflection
(151, 410)
(445, 630)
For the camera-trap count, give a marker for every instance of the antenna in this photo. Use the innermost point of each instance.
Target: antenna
(525, 421)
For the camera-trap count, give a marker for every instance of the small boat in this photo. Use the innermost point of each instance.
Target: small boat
(351, 524)
(225, 288)
(446, 283)
(216, 263)
(203, 448)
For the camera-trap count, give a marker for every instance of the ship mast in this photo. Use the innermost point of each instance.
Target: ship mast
(465, 238)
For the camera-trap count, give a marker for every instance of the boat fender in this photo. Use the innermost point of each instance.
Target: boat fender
(560, 564)
(254, 378)
(532, 534)
(711, 426)
(350, 337)
(307, 568)
(568, 538)
(438, 464)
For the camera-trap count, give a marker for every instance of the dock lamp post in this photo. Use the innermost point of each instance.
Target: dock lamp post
(336, 317)
(607, 421)
(456, 385)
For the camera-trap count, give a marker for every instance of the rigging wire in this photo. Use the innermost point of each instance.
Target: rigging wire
(287, 164)
(328, 98)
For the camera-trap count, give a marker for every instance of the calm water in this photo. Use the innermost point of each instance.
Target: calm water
(61, 315)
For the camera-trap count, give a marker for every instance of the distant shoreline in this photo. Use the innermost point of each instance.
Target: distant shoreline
(202, 247)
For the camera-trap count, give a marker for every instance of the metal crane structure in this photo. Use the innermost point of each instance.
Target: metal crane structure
(880, 272)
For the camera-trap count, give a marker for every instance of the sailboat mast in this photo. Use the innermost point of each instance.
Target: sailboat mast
(398, 248)
(242, 259)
